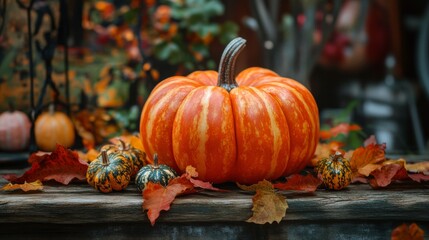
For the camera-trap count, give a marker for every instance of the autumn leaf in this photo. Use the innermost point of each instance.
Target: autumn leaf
(158, 198)
(405, 232)
(89, 156)
(268, 206)
(323, 150)
(191, 173)
(420, 167)
(418, 177)
(300, 182)
(62, 165)
(133, 140)
(384, 175)
(366, 159)
(33, 186)
(342, 128)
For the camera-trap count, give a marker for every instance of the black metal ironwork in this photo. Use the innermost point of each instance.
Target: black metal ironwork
(46, 52)
(2, 14)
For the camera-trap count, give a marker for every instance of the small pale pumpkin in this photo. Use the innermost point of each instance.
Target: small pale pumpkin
(335, 171)
(14, 131)
(109, 172)
(134, 155)
(52, 128)
(156, 173)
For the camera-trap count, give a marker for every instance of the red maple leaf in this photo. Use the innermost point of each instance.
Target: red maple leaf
(299, 182)
(385, 175)
(62, 165)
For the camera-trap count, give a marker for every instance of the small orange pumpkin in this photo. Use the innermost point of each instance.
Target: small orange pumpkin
(14, 131)
(255, 126)
(52, 128)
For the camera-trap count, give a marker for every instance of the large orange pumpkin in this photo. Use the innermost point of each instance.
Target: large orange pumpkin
(52, 128)
(245, 129)
(14, 131)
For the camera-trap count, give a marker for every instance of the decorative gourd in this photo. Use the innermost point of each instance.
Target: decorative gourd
(245, 129)
(335, 171)
(14, 131)
(156, 173)
(109, 172)
(52, 128)
(134, 155)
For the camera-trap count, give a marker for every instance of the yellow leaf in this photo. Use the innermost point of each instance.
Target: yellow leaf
(33, 186)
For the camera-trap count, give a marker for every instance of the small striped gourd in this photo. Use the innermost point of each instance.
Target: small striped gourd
(109, 172)
(156, 173)
(335, 171)
(134, 155)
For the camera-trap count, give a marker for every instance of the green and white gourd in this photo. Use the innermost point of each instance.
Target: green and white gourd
(155, 173)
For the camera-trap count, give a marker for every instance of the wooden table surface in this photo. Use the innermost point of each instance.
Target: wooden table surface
(356, 212)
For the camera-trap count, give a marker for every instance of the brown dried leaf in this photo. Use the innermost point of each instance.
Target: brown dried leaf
(268, 206)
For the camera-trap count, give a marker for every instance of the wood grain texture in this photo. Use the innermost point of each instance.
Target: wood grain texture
(79, 203)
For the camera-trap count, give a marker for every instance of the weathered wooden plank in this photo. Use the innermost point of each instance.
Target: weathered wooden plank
(80, 203)
(302, 230)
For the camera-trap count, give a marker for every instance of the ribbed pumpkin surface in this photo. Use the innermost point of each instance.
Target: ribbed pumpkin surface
(52, 128)
(265, 127)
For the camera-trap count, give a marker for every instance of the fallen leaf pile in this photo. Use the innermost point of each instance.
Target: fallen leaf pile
(368, 163)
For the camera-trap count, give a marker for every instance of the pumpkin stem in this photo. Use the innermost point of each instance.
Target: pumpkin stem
(104, 158)
(337, 156)
(226, 78)
(155, 161)
(123, 145)
(51, 108)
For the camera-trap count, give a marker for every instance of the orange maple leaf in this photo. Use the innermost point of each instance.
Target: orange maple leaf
(33, 186)
(342, 128)
(268, 205)
(62, 165)
(367, 159)
(158, 198)
(131, 139)
(405, 232)
(300, 182)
